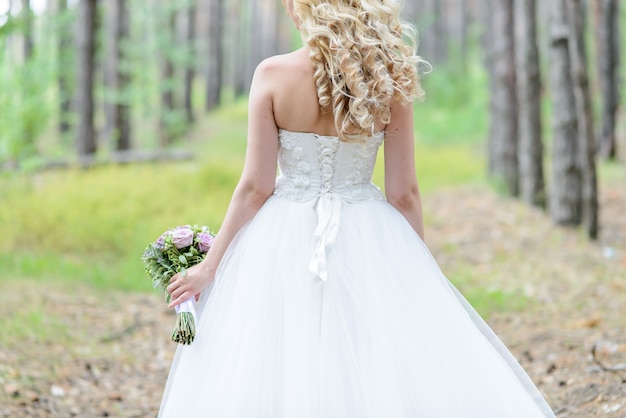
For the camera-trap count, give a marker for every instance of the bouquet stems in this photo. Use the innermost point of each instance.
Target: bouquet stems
(185, 329)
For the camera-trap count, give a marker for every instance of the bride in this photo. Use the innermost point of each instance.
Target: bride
(318, 296)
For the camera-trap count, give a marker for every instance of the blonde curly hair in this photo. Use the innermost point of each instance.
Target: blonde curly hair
(364, 58)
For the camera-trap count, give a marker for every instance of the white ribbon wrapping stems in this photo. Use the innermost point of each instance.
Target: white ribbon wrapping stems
(187, 306)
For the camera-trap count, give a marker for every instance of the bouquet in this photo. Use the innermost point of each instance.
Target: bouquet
(173, 252)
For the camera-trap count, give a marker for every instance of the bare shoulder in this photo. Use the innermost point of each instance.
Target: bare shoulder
(284, 67)
(289, 80)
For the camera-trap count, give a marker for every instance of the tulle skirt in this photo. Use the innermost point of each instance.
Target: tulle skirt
(385, 336)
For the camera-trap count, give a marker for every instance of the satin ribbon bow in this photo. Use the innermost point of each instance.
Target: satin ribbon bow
(328, 210)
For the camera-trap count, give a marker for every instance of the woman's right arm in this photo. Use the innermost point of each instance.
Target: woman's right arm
(254, 188)
(401, 188)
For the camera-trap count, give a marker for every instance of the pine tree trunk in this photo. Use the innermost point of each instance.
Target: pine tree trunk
(503, 133)
(411, 11)
(167, 76)
(486, 36)
(608, 73)
(242, 23)
(255, 42)
(116, 78)
(439, 34)
(215, 74)
(426, 22)
(566, 197)
(486, 40)
(124, 113)
(189, 70)
(586, 144)
(458, 30)
(87, 21)
(269, 46)
(26, 86)
(27, 19)
(64, 42)
(532, 189)
(284, 34)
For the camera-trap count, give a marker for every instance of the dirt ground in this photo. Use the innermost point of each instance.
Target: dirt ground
(108, 355)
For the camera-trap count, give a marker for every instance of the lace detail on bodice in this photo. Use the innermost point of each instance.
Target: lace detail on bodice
(312, 164)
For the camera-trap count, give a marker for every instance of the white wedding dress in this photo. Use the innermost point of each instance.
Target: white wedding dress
(327, 304)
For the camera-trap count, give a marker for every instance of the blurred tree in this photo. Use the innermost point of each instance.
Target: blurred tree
(576, 15)
(458, 17)
(215, 71)
(117, 78)
(434, 40)
(411, 11)
(608, 58)
(254, 52)
(241, 26)
(168, 15)
(64, 44)
(440, 35)
(486, 41)
(532, 189)
(503, 164)
(269, 16)
(285, 33)
(27, 85)
(257, 35)
(87, 28)
(566, 195)
(27, 21)
(190, 35)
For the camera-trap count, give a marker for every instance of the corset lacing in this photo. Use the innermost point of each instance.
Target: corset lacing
(328, 208)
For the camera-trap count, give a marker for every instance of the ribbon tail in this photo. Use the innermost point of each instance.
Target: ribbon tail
(328, 215)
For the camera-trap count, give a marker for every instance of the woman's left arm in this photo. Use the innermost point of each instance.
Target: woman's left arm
(255, 186)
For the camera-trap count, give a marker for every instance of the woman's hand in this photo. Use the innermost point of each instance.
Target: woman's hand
(191, 284)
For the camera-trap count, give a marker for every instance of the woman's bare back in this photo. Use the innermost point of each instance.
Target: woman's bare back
(294, 99)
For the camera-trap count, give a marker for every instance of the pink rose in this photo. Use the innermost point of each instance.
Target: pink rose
(182, 237)
(204, 241)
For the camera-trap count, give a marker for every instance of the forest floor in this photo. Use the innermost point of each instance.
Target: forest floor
(561, 298)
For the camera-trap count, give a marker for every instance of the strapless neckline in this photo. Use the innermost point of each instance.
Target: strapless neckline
(315, 134)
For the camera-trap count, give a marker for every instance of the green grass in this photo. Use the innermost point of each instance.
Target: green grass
(92, 226)
(612, 171)
(486, 299)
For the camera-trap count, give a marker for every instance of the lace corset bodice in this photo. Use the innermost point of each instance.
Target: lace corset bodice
(311, 165)
(326, 171)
